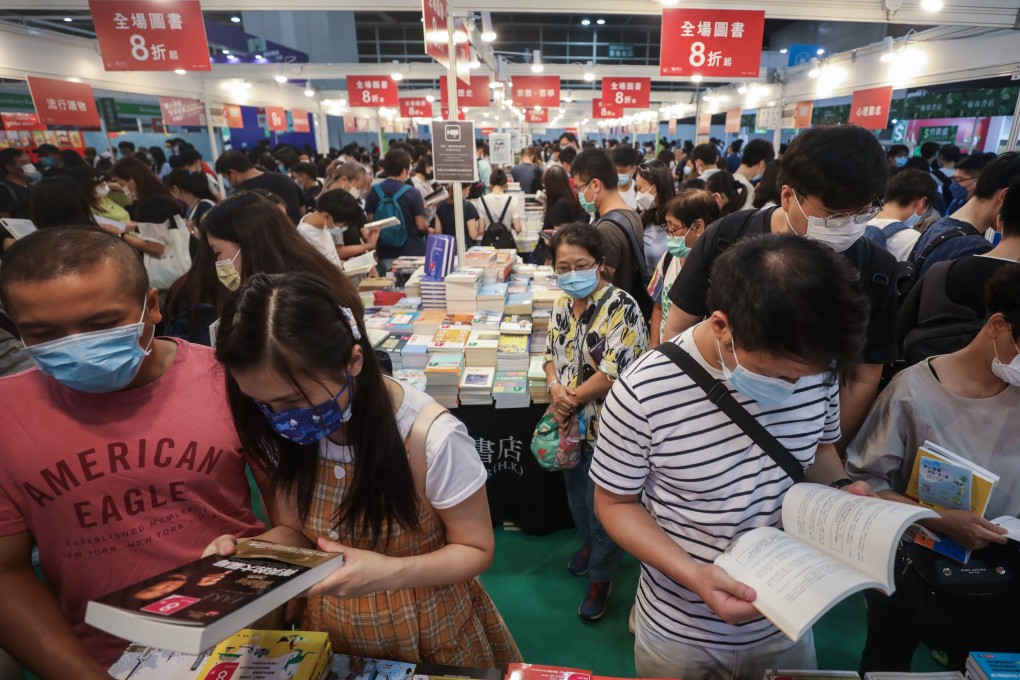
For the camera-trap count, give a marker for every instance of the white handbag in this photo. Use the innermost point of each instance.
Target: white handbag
(176, 259)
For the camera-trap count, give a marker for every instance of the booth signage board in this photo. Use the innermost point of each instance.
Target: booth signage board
(500, 152)
(604, 111)
(621, 51)
(60, 102)
(151, 35)
(769, 118)
(870, 108)
(802, 115)
(188, 112)
(300, 121)
(9, 101)
(975, 103)
(437, 35)
(530, 91)
(800, 53)
(733, 119)
(453, 151)
(216, 117)
(540, 116)
(705, 123)
(474, 94)
(713, 43)
(515, 140)
(18, 120)
(415, 107)
(671, 127)
(276, 118)
(232, 112)
(108, 111)
(627, 92)
(371, 91)
(943, 134)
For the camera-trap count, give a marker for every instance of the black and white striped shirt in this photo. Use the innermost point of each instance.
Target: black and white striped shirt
(703, 480)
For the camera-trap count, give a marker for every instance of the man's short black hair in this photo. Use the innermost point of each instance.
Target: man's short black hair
(594, 164)
(950, 153)
(65, 251)
(898, 150)
(1009, 213)
(482, 146)
(189, 157)
(126, 145)
(843, 166)
(792, 297)
(47, 150)
(625, 156)
(233, 161)
(756, 151)
(569, 136)
(306, 169)
(998, 174)
(973, 164)
(706, 153)
(908, 185)
(568, 155)
(342, 207)
(7, 157)
(929, 150)
(396, 163)
(1002, 295)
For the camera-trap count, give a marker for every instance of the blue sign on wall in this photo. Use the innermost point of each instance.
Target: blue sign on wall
(802, 54)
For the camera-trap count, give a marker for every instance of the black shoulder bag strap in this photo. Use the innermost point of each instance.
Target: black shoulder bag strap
(636, 248)
(485, 207)
(719, 395)
(506, 206)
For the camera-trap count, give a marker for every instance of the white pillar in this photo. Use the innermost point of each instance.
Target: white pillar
(451, 99)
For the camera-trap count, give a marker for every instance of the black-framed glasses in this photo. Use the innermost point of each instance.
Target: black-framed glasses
(841, 219)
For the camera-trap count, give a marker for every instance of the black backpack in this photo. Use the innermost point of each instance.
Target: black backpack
(497, 234)
(942, 325)
(909, 270)
(637, 289)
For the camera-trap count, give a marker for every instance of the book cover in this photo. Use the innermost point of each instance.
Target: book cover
(530, 671)
(482, 340)
(779, 674)
(257, 654)
(345, 667)
(512, 344)
(440, 251)
(993, 665)
(478, 378)
(416, 379)
(439, 672)
(445, 363)
(516, 324)
(941, 484)
(139, 662)
(943, 675)
(458, 320)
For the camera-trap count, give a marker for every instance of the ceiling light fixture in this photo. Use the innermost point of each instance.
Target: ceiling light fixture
(488, 35)
(280, 78)
(235, 19)
(398, 71)
(536, 62)
(68, 19)
(668, 3)
(600, 22)
(258, 56)
(783, 51)
(697, 78)
(820, 51)
(742, 89)
(474, 63)
(180, 71)
(589, 72)
(888, 50)
(226, 52)
(586, 22)
(931, 5)
(815, 69)
(429, 98)
(309, 92)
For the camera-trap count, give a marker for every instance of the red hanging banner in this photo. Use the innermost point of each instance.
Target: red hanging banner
(599, 109)
(371, 91)
(232, 112)
(705, 123)
(151, 35)
(802, 115)
(713, 43)
(532, 91)
(870, 108)
(276, 118)
(21, 121)
(732, 120)
(300, 119)
(182, 111)
(627, 92)
(540, 116)
(60, 102)
(415, 107)
(471, 95)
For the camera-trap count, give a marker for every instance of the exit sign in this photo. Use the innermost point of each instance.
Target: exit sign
(621, 51)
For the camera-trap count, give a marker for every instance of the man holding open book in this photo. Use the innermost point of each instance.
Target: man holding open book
(681, 466)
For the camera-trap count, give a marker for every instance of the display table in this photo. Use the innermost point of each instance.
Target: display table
(519, 490)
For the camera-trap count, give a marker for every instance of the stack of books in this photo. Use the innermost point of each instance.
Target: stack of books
(992, 666)
(450, 340)
(462, 290)
(442, 376)
(428, 322)
(393, 297)
(543, 298)
(482, 349)
(415, 354)
(537, 384)
(492, 297)
(394, 346)
(536, 345)
(433, 293)
(518, 299)
(516, 324)
(459, 320)
(480, 256)
(376, 337)
(401, 323)
(545, 276)
(510, 389)
(512, 353)
(486, 321)
(415, 379)
(476, 386)
(412, 286)
(440, 253)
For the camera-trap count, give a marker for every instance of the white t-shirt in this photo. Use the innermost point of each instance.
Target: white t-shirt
(901, 243)
(702, 479)
(708, 173)
(321, 239)
(495, 203)
(630, 196)
(453, 470)
(749, 203)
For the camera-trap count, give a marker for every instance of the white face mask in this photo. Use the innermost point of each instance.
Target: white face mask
(1008, 373)
(645, 200)
(28, 170)
(103, 190)
(837, 238)
(355, 192)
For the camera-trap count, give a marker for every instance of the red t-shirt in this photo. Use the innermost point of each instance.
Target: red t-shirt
(119, 487)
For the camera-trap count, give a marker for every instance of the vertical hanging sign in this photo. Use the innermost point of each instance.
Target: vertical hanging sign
(870, 108)
(733, 119)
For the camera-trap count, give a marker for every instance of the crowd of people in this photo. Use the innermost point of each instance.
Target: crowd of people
(172, 323)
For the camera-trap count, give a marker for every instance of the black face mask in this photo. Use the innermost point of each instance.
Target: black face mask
(429, 176)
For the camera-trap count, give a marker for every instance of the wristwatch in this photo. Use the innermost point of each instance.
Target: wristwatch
(840, 483)
(554, 382)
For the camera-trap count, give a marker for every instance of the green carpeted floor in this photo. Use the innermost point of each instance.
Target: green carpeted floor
(538, 598)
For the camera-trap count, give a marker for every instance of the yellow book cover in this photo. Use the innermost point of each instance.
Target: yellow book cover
(938, 480)
(255, 654)
(513, 344)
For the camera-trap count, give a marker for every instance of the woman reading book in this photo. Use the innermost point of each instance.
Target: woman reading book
(363, 465)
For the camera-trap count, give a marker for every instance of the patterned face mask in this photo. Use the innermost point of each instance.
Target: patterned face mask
(306, 425)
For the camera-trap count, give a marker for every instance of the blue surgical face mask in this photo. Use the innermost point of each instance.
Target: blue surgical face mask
(623, 179)
(901, 161)
(305, 425)
(95, 362)
(913, 220)
(761, 388)
(46, 161)
(959, 191)
(677, 246)
(579, 284)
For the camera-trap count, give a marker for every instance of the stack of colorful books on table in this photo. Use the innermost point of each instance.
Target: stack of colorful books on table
(519, 299)
(510, 389)
(394, 347)
(429, 321)
(537, 384)
(450, 340)
(412, 286)
(544, 276)
(476, 386)
(433, 293)
(415, 379)
(462, 290)
(480, 256)
(482, 349)
(463, 321)
(492, 297)
(415, 354)
(401, 323)
(512, 352)
(377, 336)
(442, 376)
(486, 321)
(993, 666)
(543, 298)
(537, 343)
(516, 324)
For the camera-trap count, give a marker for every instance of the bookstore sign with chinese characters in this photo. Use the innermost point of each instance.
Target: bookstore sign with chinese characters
(870, 108)
(59, 102)
(711, 43)
(474, 94)
(371, 91)
(151, 35)
(627, 92)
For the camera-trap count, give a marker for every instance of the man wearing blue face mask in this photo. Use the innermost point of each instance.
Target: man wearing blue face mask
(626, 159)
(118, 455)
(907, 198)
(677, 479)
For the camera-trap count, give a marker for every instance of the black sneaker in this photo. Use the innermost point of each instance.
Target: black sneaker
(578, 564)
(595, 602)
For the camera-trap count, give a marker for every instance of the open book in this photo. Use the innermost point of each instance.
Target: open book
(833, 544)
(196, 606)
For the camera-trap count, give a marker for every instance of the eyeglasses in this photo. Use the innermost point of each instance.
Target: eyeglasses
(673, 231)
(576, 268)
(962, 181)
(841, 219)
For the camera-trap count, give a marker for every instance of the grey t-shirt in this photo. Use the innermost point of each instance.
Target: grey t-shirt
(916, 407)
(619, 253)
